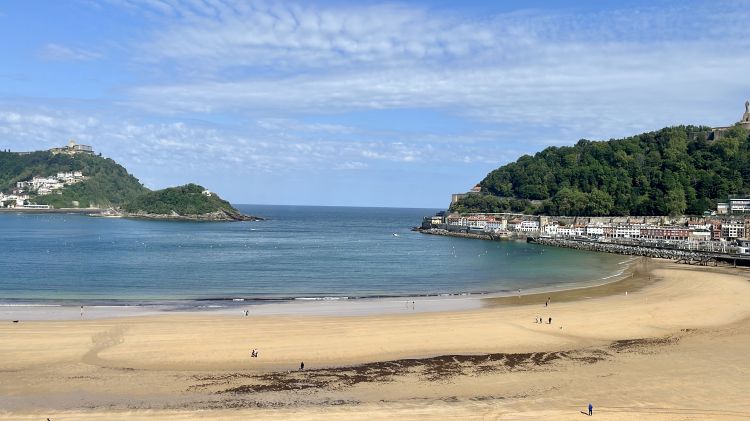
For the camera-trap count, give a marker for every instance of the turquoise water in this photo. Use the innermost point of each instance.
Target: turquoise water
(298, 252)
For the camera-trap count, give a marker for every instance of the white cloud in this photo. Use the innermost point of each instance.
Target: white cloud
(598, 72)
(57, 52)
(188, 146)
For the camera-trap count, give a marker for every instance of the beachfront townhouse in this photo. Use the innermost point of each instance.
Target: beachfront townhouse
(528, 226)
(732, 229)
(627, 231)
(595, 230)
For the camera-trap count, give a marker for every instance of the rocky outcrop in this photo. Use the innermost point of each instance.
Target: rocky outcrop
(221, 215)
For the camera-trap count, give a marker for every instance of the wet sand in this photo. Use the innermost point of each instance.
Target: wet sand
(670, 349)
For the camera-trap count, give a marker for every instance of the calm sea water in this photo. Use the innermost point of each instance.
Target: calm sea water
(299, 252)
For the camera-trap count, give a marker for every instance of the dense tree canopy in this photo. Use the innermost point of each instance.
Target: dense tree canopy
(182, 200)
(672, 171)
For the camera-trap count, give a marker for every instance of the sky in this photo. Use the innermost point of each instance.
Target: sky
(358, 103)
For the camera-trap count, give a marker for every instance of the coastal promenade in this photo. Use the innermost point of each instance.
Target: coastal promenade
(640, 353)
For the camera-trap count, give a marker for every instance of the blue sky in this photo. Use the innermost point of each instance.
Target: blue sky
(362, 104)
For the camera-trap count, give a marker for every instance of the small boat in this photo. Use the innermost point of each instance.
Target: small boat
(395, 234)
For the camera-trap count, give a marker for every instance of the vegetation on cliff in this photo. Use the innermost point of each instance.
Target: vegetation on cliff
(186, 200)
(107, 183)
(672, 171)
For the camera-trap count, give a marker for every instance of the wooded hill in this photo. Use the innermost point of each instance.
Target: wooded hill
(107, 183)
(673, 171)
(182, 200)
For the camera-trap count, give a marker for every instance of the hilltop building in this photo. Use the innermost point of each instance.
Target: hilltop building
(717, 132)
(73, 148)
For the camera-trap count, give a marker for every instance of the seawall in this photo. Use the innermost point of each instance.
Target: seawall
(680, 256)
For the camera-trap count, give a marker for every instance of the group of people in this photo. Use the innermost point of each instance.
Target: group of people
(540, 319)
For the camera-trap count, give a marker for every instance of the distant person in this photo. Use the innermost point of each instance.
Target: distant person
(301, 366)
(550, 320)
(591, 410)
(245, 313)
(81, 312)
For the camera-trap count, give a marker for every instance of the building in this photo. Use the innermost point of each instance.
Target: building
(627, 231)
(73, 148)
(496, 225)
(732, 229)
(716, 230)
(528, 226)
(595, 230)
(737, 204)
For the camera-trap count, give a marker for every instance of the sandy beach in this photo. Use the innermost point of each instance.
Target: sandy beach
(673, 347)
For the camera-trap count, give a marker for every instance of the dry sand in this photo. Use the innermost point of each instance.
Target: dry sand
(675, 347)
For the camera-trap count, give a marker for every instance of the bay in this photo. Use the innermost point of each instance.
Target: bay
(299, 252)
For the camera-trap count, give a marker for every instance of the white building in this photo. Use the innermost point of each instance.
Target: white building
(627, 231)
(496, 225)
(566, 231)
(551, 229)
(595, 230)
(528, 226)
(739, 204)
(732, 229)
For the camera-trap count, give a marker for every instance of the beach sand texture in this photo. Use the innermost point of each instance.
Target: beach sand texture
(675, 348)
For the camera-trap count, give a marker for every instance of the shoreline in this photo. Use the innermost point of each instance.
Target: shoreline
(625, 353)
(82, 211)
(69, 309)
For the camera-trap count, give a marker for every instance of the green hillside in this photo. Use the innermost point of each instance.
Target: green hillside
(182, 200)
(672, 171)
(108, 183)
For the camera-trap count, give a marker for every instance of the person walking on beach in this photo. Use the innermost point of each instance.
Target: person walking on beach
(591, 410)
(550, 320)
(81, 312)
(301, 366)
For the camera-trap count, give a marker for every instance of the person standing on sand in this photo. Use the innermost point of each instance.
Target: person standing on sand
(550, 320)
(591, 410)
(301, 366)
(81, 312)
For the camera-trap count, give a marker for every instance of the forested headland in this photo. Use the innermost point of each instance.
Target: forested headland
(673, 171)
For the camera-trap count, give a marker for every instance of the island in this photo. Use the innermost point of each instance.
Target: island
(190, 202)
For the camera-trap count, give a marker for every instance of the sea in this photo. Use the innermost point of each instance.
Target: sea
(297, 253)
